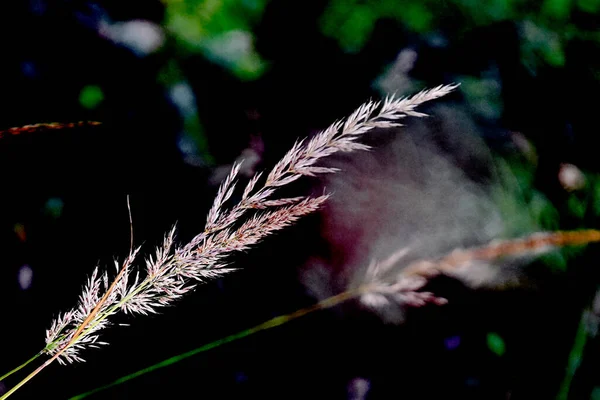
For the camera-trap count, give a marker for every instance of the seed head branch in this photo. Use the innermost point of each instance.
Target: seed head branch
(175, 270)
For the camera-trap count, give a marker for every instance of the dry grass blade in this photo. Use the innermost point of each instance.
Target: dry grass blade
(381, 289)
(534, 244)
(46, 126)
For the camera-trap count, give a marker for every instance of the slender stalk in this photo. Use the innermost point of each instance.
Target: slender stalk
(574, 357)
(20, 366)
(272, 323)
(30, 376)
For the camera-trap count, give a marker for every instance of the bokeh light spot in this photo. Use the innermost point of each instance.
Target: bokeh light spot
(19, 230)
(54, 207)
(496, 344)
(452, 342)
(25, 277)
(91, 96)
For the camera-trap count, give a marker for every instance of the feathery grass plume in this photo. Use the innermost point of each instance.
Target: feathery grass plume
(175, 270)
(46, 126)
(380, 289)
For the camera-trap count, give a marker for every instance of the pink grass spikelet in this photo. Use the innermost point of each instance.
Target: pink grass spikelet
(175, 270)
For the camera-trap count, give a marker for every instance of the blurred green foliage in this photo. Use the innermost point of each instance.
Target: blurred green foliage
(351, 22)
(545, 25)
(221, 30)
(524, 208)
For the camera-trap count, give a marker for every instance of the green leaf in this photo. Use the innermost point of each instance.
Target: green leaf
(91, 96)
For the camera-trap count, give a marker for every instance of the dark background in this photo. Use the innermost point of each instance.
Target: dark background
(63, 203)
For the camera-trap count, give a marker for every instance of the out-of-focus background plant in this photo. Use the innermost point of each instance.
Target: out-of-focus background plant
(185, 88)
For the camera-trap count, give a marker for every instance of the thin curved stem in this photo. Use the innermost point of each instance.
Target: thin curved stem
(29, 377)
(272, 323)
(20, 366)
